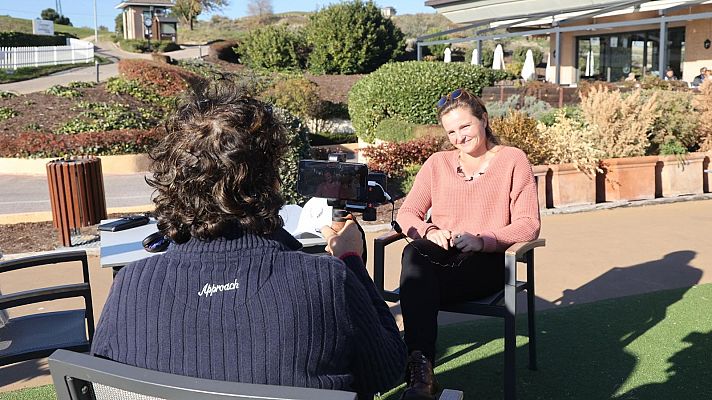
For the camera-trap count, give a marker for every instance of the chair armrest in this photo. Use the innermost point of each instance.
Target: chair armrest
(44, 259)
(44, 294)
(518, 250)
(388, 238)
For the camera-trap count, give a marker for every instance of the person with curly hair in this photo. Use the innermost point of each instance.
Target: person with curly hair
(233, 299)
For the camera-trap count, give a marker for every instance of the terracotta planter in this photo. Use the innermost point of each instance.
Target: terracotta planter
(569, 186)
(679, 175)
(542, 175)
(630, 178)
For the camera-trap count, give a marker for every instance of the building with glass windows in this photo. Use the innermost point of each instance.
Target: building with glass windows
(148, 19)
(595, 39)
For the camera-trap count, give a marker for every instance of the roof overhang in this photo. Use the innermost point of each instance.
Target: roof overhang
(541, 12)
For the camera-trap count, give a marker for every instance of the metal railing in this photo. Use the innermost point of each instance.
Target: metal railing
(76, 52)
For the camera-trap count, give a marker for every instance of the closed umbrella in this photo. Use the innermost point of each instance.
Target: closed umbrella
(550, 70)
(589, 64)
(448, 55)
(529, 69)
(475, 57)
(498, 60)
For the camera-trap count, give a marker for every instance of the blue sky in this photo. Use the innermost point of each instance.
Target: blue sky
(81, 12)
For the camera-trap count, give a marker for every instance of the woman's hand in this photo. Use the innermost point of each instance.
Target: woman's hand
(467, 242)
(441, 237)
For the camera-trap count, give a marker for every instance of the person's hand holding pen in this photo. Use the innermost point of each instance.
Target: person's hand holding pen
(346, 240)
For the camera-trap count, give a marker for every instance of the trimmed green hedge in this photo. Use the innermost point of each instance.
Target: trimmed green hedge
(20, 39)
(409, 91)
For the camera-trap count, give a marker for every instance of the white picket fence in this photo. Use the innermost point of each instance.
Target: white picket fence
(76, 52)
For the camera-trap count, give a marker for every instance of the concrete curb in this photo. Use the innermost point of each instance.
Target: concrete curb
(43, 216)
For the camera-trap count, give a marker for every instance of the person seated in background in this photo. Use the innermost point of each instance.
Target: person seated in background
(670, 75)
(701, 77)
(630, 77)
(233, 299)
(482, 198)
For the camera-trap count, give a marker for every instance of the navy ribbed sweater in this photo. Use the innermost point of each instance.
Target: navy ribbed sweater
(249, 308)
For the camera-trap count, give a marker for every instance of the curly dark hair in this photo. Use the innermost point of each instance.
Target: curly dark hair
(218, 165)
(465, 99)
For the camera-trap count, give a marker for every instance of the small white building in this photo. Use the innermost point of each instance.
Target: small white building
(144, 19)
(388, 12)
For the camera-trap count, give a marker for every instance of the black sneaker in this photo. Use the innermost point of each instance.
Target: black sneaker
(421, 383)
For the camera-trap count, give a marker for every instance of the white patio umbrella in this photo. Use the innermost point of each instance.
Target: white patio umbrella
(448, 55)
(589, 63)
(475, 57)
(550, 70)
(498, 60)
(529, 69)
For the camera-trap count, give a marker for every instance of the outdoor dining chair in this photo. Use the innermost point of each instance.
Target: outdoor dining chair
(502, 304)
(38, 334)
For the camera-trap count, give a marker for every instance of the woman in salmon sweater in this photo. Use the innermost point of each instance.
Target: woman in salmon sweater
(482, 198)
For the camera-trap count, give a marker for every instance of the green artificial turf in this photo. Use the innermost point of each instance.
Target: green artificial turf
(652, 346)
(45, 392)
(648, 347)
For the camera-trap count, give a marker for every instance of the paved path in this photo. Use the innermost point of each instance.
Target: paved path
(30, 194)
(106, 71)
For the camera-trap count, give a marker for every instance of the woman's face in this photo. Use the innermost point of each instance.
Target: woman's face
(465, 131)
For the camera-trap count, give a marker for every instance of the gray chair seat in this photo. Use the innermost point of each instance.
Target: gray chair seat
(39, 333)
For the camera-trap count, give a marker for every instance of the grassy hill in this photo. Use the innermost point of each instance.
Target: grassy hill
(12, 24)
(219, 27)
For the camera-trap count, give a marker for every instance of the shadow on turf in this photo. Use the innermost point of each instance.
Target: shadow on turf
(582, 348)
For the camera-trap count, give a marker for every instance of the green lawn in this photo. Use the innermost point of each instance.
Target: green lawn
(652, 346)
(12, 24)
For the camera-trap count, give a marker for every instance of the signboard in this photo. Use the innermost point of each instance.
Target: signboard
(42, 27)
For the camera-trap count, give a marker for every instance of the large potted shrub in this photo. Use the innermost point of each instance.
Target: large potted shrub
(518, 129)
(620, 126)
(572, 158)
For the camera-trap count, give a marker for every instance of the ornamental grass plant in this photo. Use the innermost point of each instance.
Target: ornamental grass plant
(619, 124)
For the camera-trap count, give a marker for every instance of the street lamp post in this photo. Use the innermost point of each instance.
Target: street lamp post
(96, 28)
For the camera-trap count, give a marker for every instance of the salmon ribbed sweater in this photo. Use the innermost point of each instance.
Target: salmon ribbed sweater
(500, 205)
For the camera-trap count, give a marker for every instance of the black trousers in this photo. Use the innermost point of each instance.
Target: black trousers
(431, 276)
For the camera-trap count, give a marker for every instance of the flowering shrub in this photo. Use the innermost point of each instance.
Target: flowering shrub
(620, 125)
(675, 127)
(703, 104)
(519, 130)
(101, 117)
(394, 157)
(63, 91)
(569, 140)
(42, 145)
(7, 113)
(164, 79)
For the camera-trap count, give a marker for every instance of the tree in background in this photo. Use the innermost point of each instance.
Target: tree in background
(351, 38)
(119, 25)
(188, 10)
(260, 8)
(50, 14)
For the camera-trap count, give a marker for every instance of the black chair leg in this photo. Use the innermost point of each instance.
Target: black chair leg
(510, 347)
(532, 329)
(531, 311)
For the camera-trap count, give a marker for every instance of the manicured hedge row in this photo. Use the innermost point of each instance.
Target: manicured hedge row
(164, 79)
(409, 91)
(20, 39)
(45, 145)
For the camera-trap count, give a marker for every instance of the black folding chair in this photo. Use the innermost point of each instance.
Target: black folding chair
(502, 304)
(38, 335)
